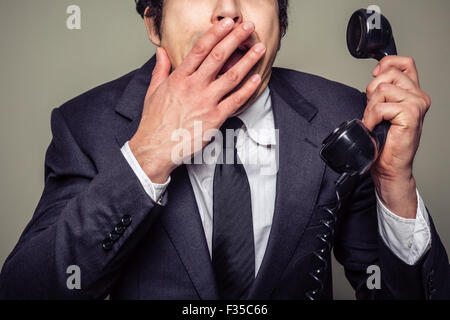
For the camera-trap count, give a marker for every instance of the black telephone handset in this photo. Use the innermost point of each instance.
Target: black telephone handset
(352, 149)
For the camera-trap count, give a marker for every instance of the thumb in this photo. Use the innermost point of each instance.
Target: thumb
(161, 70)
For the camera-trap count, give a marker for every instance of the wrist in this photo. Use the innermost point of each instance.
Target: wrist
(398, 193)
(151, 161)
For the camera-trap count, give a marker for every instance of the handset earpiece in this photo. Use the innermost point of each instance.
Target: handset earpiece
(370, 36)
(352, 148)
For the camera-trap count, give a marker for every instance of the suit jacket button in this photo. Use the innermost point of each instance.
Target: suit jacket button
(113, 236)
(119, 228)
(107, 244)
(126, 220)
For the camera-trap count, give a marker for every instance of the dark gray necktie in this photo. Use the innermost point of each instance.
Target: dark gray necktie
(233, 251)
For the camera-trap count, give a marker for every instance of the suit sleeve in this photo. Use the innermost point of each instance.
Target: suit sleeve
(359, 245)
(85, 218)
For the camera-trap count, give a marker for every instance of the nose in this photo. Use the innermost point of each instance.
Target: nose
(227, 8)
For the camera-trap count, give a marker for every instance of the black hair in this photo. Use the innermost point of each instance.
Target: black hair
(156, 10)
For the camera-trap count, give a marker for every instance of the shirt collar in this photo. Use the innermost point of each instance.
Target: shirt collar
(259, 121)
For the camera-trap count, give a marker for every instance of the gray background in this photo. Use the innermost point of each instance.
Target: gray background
(43, 64)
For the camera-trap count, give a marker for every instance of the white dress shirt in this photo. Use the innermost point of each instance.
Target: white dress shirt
(409, 239)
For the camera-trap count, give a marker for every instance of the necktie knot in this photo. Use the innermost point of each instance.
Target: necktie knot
(233, 123)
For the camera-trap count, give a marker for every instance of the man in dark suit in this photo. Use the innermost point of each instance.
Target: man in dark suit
(125, 203)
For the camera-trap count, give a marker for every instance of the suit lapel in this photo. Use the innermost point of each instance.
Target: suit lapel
(180, 218)
(298, 181)
(132, 100)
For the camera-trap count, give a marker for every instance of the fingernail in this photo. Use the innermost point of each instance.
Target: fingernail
(227, 22)
(256, 78)
(260, 47)
(248, 26)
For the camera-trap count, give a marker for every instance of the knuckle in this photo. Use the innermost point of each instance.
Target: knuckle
(179, 84)
(369, 108)
(385, 61)
(218, 55)
(232, 75)
(427, 100)
(177, 75)
(199, 49)
(174, 80)
(410, 61)
(382, 87)
(237, 99)
(423, 102)
(377, 108)
(392, 71)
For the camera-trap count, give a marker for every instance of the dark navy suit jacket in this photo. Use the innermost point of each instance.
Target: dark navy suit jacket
(162, 252)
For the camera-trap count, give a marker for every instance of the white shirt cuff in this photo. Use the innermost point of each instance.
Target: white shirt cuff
(408, 239)
(154, 190)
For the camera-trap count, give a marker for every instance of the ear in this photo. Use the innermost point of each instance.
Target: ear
(282, 32)
(151, 29)
(279, 41)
